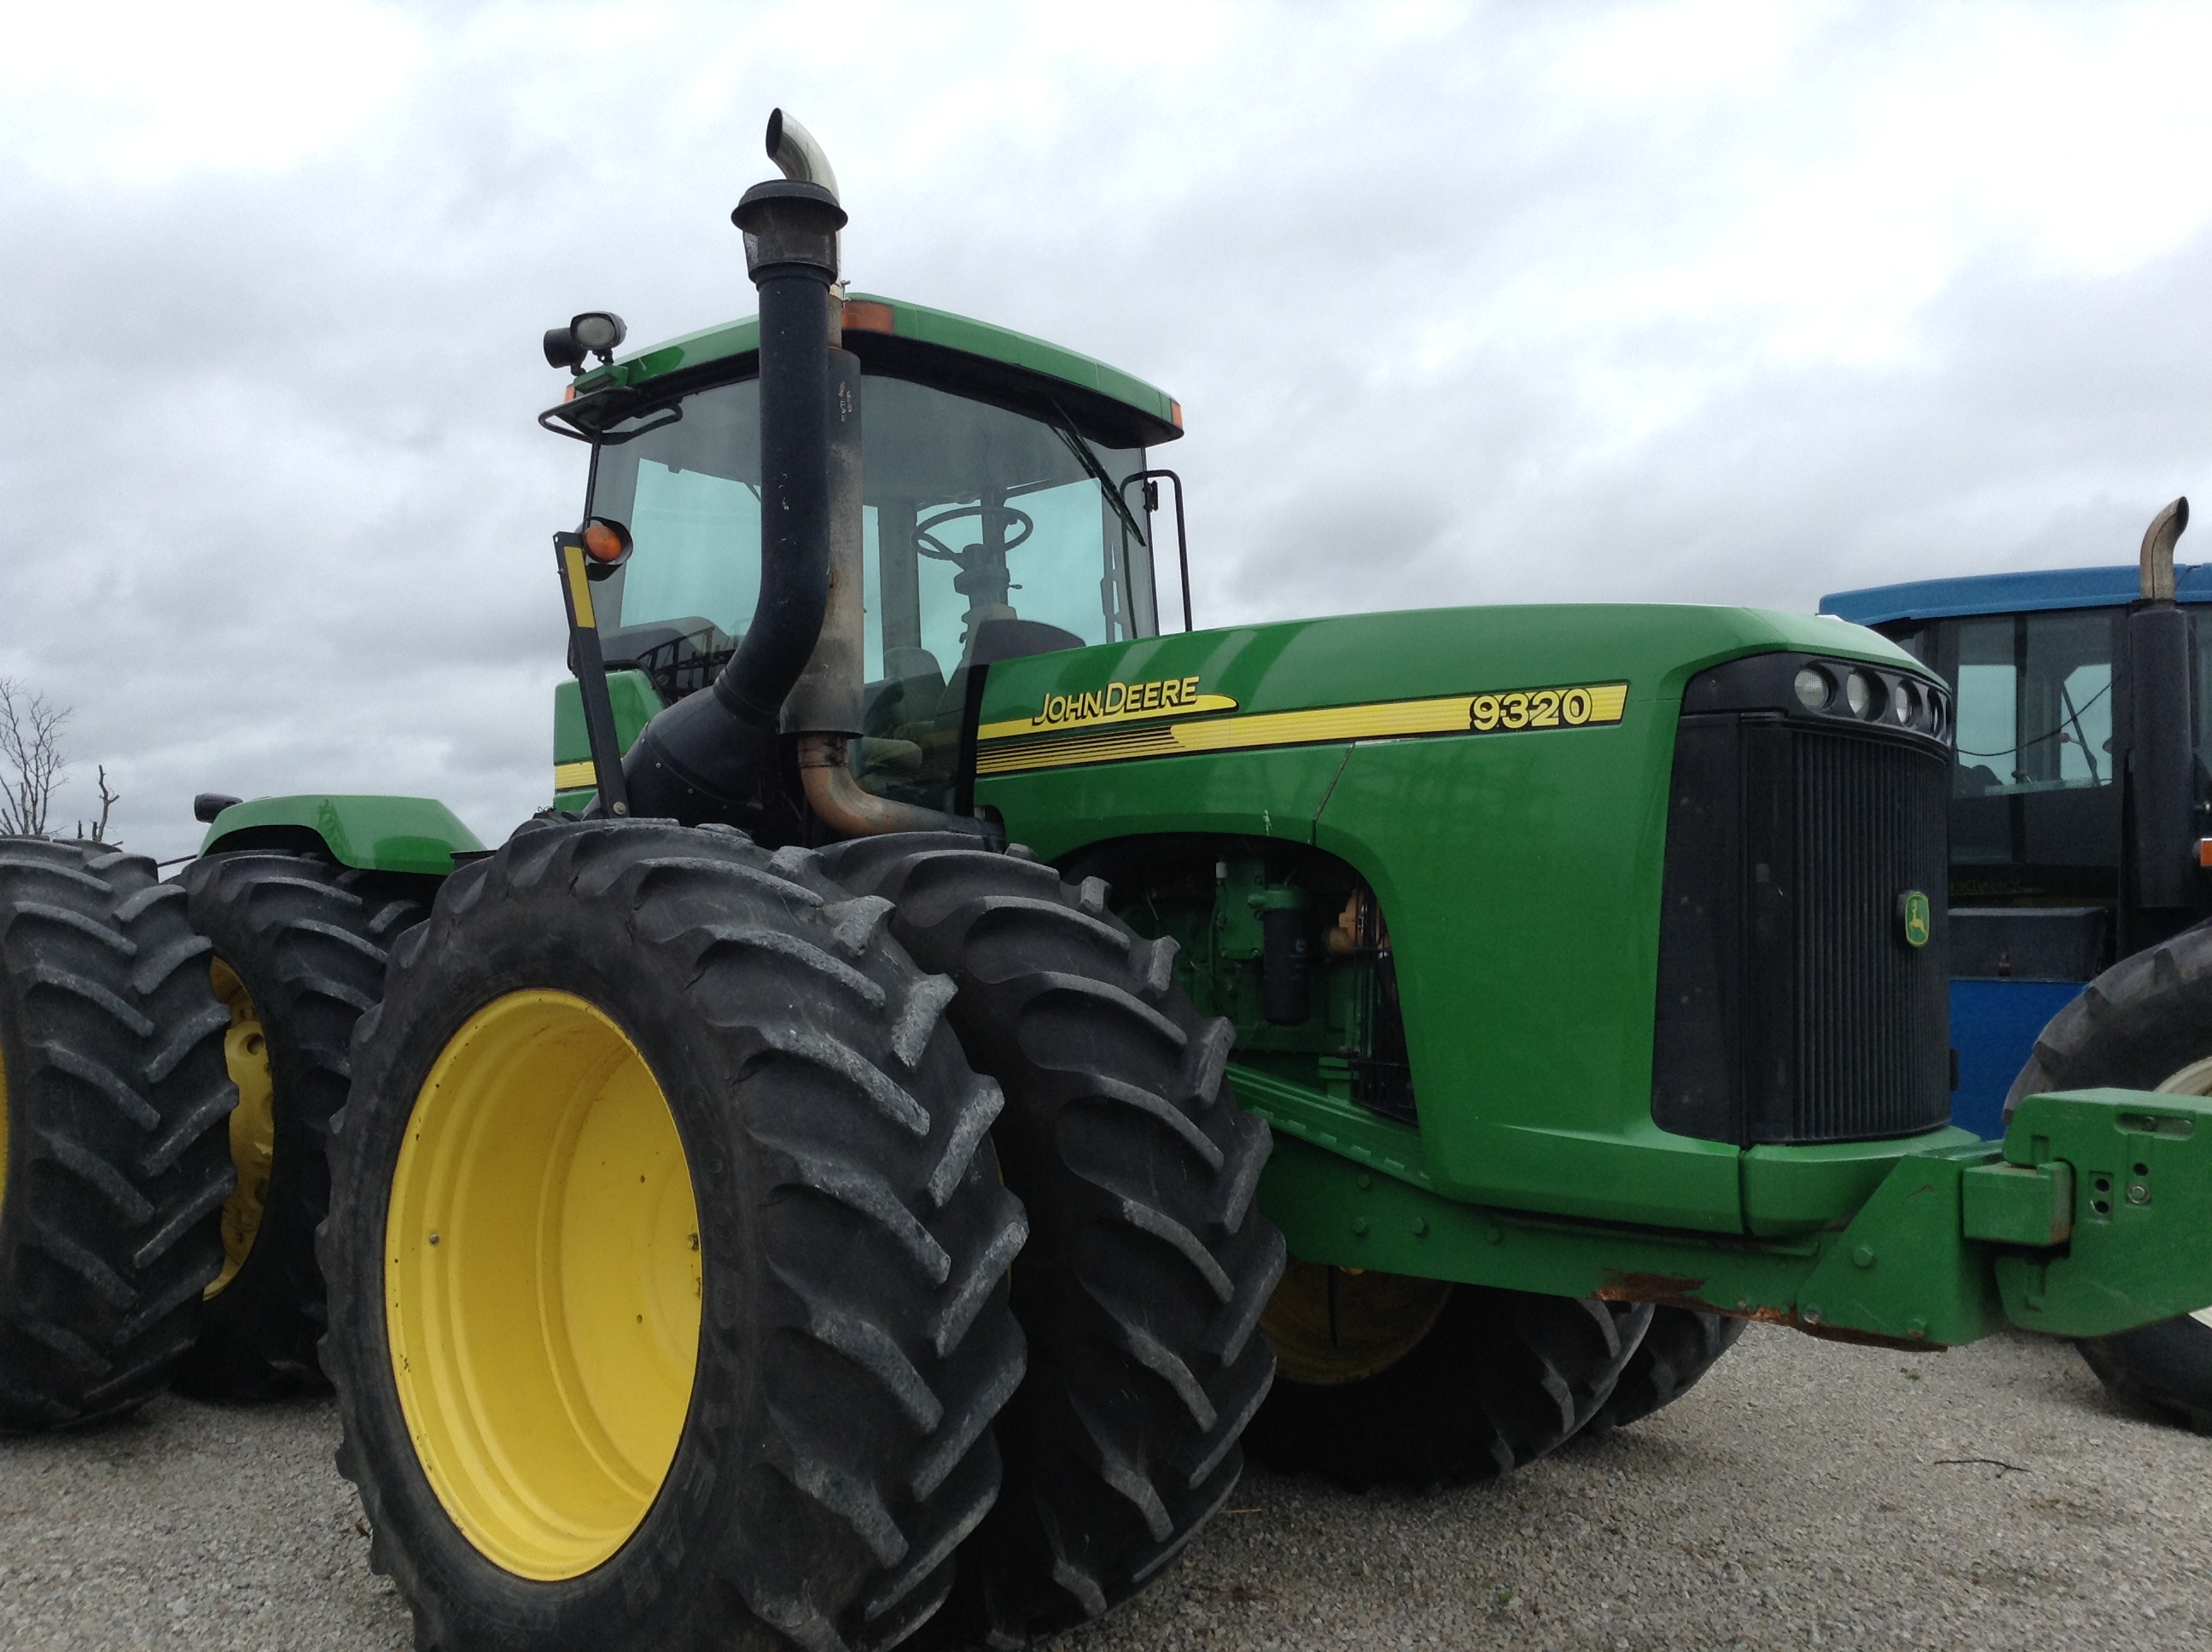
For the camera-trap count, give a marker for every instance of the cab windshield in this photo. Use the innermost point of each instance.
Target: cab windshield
(971, 513)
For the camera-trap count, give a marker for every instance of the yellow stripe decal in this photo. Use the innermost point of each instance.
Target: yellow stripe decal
(1507, 711)
(571, 777)
(580, 585)
(1066, 712)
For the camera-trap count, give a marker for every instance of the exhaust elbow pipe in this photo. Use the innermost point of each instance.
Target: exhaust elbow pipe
(2158, 542)
(847, 808)
(794, 151)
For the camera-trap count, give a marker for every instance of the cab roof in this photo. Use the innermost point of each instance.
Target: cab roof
(915, 341)
(2011, 593)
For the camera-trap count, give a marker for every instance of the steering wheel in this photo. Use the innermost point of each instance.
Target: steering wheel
(928, 544)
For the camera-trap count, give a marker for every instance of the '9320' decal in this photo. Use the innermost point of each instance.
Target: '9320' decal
(1574, 707)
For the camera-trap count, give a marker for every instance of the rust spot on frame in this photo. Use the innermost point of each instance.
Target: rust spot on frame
(1662, 1290)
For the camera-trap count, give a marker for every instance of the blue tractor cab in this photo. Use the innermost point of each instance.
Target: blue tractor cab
(2080, 789)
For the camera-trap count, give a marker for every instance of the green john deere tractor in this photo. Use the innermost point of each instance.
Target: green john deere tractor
(813, 1185)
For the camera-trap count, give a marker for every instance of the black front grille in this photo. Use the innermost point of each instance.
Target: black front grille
(1871, 1050)
(1790, 1006)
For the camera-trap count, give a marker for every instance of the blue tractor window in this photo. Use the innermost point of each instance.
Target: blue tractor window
(2035, 703)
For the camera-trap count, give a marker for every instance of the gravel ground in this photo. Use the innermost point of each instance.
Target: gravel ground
(1807, 1494)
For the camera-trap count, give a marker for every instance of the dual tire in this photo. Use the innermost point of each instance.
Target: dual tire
(667, 1256)
(1419, 1383)
(113, 1100)
(299, 949)
(1422, 1383)
(717, 1105)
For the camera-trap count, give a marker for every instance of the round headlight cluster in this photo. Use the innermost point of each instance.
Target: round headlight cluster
(1840, 689)
(1896, 698)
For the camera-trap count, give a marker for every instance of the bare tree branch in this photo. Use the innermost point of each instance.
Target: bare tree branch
(108, 801)
(31, 761)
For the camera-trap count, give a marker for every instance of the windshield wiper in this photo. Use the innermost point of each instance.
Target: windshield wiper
(1067, 433)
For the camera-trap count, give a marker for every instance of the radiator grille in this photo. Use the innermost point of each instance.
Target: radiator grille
(1789, 1008)
(1871, 1050)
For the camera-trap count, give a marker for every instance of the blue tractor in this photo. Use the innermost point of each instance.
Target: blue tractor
(2080, 805)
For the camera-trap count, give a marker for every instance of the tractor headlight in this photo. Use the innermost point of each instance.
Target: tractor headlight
(1814, 691)
(599, 331)
(595, 332)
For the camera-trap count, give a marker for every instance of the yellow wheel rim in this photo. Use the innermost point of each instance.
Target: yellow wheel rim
(253, 1122)
(541, 1282)
(1379, 1319)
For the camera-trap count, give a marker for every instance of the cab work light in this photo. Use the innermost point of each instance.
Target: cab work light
(595, 332)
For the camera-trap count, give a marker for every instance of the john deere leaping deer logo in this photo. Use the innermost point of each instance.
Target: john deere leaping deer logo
(1913, 917)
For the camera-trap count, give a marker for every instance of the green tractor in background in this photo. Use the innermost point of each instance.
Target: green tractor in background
(813, 1185)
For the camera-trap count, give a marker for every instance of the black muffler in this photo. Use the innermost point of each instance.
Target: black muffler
(713, 756)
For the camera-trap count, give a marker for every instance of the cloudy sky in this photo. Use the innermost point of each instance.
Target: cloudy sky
(1695, 302)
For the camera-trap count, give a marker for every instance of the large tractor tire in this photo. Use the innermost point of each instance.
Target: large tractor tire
(1420, 1384)
(299, 948)
(666, 1257)
(1679, 1347)
(1147, 1267)
(2145, 1023)
(113, 1104)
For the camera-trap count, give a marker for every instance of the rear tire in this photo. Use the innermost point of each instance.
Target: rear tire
(300, 946)
(113, 1100)
(2145, 1023)
(1491, 1380)
(789, 1445)
(1148, 1264)
(1679, 1347)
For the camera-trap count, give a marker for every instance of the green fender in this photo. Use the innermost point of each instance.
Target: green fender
(376, 833)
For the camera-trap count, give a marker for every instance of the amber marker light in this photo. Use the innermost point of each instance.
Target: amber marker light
(2204, 851)
(605, 542)
(866, 315)
(1174, 414)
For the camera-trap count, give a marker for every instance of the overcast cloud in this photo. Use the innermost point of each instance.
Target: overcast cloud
(1689, 302)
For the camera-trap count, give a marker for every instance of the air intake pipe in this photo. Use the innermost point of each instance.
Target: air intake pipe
(712, 757)
(2162, 773)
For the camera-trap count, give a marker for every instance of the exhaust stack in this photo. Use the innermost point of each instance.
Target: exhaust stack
(712, 757)
(2161, 771)
(800, 668)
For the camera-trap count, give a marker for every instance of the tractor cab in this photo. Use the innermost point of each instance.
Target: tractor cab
(1006, 500)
